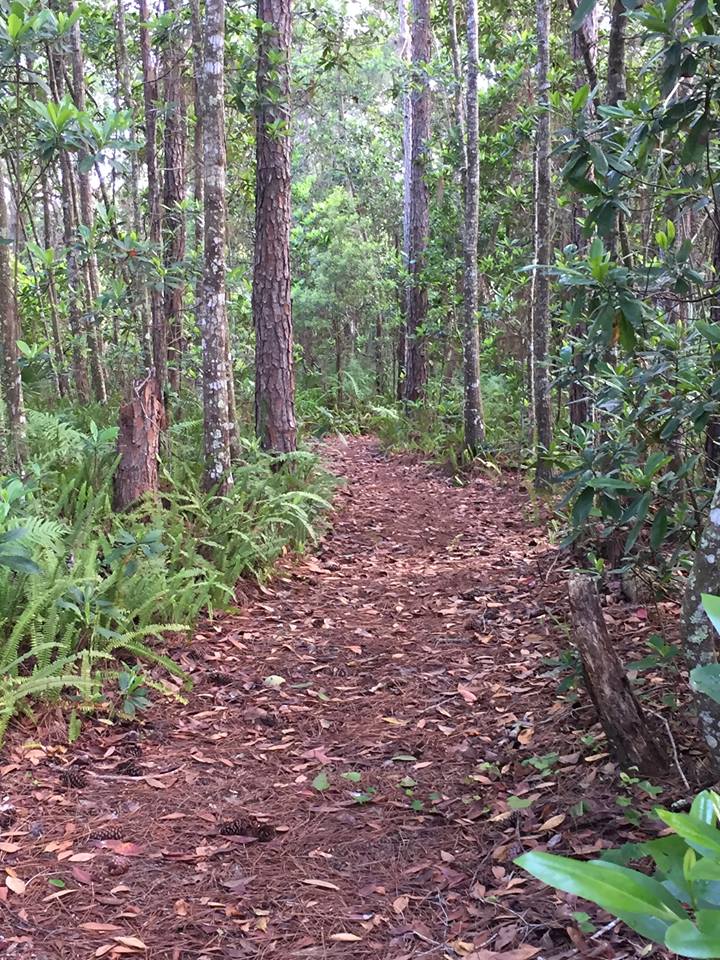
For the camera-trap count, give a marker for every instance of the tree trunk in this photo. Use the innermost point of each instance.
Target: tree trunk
(150, 99)
(173, 197)
(11, 333)
(271, 301)
(473, 408)
(629, 736)
(141, 423)
(543, 249)
(198, 45)
(616, 78)
(62, 377)
(404, 52)
(85, 217)
(700, 639)
(213, 317)
(141, 305)
(417, 300)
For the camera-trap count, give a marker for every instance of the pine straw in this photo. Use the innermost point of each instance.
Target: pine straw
(411, 646)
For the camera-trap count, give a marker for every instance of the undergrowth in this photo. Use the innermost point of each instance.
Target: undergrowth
(86, 594)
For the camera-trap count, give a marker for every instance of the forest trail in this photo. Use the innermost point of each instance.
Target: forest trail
(411, 648)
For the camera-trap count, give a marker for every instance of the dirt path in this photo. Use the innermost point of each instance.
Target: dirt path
(359, 809)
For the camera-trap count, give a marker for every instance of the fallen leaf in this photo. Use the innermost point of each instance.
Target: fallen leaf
(81, 857)
(552, 823)
(7, 847)
(15, 884)
(124, 849)
(345, 937)
(400, 904)
(323, 884)
(131, 942)
(94, 927)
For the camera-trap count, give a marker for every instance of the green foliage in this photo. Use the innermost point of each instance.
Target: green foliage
(678, 906)
(90, 596)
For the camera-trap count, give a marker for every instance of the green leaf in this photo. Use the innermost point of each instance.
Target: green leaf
(701, 836)
(321, 782)
(353, 776)
(659, 528)
(616, 889)
(519, 803)
(582, 506)
(706, 680)
(690, 940)
(711, 606)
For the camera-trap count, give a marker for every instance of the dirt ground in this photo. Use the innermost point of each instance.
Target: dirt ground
(368, 744)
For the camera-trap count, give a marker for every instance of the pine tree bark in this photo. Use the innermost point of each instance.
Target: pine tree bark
(473, 408)
(11, 333)
(213, 317)
(142, 420)
(543, 251)
(150, 100)
(271, 301)
(173, 197)
(419, 212)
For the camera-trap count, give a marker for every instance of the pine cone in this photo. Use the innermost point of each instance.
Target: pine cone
(132, 749)
(247, 827)
(128, 768)
(73, 777)
(108, 833)
(220, 679)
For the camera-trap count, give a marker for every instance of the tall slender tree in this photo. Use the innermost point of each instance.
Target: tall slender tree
(84, 215)
(174, 137)
(272, 313)
(473, 408)
(543, 247)
(404, 52)
(419, 210)
(213, 316)
(10, 327)
(150, 101)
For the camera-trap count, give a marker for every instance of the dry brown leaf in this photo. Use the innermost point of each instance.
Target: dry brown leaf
(400, 904)
(323, 884)
(81, 857)
(15, 884)
(552, 823)
(134, 942)
(7, 847)
(345, 937)
(99, 927)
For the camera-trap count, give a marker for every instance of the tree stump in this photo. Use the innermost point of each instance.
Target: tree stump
(630, 736)
(142, 420)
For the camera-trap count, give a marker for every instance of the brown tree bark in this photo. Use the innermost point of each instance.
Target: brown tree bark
(142, 420)
(150, 100)
(419, 212)
(543, 251)
(57, 339)
(630, 737)
(213, 316)
(11, 333)
(271, 300)
(473, 406)
(173, 197)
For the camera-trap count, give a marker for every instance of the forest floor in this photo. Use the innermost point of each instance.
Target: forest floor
(361, 807)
